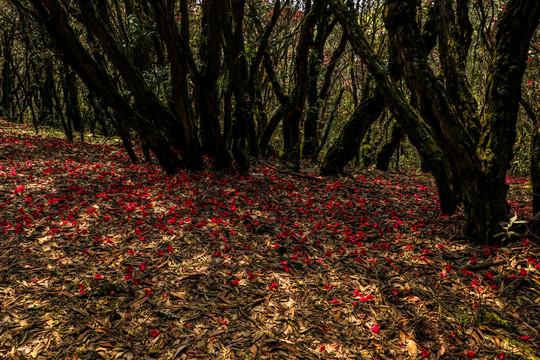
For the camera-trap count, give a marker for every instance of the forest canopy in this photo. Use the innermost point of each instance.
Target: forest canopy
(446, 86)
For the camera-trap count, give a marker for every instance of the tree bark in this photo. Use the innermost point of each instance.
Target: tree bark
(326, 132)
(388, 149)
(6, 98)
(315, 67)
(182, 124)
(417, 131)
(480, 176)
(295, 108)
(56, 21)
(347, 145)
(207, 94)
(71, 99)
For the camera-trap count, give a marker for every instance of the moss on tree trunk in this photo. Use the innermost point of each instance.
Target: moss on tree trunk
(347, 145)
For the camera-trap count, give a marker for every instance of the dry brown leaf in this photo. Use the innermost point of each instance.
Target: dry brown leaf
(412, 348)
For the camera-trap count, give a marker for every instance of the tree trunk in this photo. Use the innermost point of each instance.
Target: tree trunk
(295, 109)
(517, 25)
(182, 124)
(535, 169)
(71, 99)
(480, 176)
(99, 81)
(315, 67)
(388, 149)
(207, 95)
(326, 131)
(417, 131)
(6, 98)
(45, 94)
(347, 145)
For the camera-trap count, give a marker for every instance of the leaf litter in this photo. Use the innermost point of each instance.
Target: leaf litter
(103, 259)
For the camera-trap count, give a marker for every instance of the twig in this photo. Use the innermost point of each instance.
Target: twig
(484, 265)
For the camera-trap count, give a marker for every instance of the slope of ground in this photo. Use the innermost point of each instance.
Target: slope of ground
(103, 259)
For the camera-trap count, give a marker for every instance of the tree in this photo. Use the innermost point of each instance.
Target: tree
(347, 145)
(478, 163)
(164, 129)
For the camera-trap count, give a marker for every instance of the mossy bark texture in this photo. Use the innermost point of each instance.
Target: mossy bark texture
(347, 145)
(477, 164)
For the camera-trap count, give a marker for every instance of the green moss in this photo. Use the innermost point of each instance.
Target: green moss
(492, 318)
(154, 353)
(521, 350)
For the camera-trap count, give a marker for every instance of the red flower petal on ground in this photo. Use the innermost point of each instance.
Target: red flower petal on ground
(375, 328)
(470, 353)
(98, 276)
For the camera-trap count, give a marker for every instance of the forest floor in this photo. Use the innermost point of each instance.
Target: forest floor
(103, 259)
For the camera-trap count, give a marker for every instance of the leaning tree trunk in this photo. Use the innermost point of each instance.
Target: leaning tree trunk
(480, 176)
(390, 147)
(397, 102)
(347, 145)
(98, 80)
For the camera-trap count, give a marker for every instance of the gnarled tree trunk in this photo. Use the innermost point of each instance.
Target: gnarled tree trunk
(347, 145)
(478, 177)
